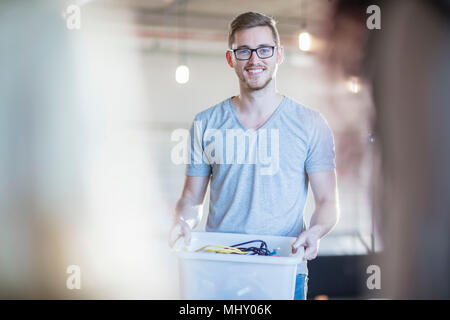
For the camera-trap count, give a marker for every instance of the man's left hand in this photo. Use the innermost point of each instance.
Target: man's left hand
(310, 240)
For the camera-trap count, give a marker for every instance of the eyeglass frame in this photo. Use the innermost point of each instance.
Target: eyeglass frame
(253, 50)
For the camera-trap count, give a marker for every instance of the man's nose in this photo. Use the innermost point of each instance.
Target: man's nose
(253, 57)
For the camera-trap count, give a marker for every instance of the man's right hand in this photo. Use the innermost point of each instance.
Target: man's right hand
(180, 229)
(188, 211)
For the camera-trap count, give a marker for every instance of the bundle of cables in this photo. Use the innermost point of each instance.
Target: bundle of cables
(262, 250)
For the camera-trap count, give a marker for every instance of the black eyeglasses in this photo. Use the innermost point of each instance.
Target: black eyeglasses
(261, 52)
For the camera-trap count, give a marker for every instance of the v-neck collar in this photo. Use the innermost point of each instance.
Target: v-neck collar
(274, 114)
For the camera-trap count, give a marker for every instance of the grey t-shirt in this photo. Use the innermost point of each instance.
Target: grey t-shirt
(259, 180)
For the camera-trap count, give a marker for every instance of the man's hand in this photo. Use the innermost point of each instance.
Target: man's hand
(180, 229)
(188, 210)
(310, 240)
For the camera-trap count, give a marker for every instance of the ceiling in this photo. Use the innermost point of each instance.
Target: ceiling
(208, 20)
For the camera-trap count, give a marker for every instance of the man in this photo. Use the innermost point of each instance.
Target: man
(260, 197)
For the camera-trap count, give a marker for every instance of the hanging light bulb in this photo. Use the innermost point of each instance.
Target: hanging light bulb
(182, 74)
(304, 41)
(353, 84)
(182, 71)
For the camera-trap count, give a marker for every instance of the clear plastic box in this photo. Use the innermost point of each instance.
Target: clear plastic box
(210, 276)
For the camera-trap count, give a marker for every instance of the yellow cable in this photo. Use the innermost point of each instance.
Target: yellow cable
(221, 249)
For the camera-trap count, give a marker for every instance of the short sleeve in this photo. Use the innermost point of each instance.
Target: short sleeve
(321, 150)
(197, 166)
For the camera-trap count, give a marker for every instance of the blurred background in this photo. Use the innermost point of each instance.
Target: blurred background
(91, 91)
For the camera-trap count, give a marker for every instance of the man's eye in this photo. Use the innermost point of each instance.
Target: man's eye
(264, 50)
(243, 51)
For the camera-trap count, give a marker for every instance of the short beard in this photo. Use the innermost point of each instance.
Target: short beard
(260, 87)
(242, 78)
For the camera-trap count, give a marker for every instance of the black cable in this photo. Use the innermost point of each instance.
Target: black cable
(262, 250)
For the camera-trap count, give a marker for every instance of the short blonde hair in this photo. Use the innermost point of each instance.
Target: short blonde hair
(249, 20)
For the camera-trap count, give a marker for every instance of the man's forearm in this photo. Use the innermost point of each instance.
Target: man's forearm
(324, 218)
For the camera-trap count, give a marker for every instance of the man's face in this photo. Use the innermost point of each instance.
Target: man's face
(255, 73)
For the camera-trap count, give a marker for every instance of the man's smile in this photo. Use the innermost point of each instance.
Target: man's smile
(255, 71)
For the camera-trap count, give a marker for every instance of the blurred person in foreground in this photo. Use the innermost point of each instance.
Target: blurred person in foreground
(407, 65)
(249, 195)
(77, 187)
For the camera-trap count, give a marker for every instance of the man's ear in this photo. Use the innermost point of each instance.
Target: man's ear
(280, 55)
(229, 59)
